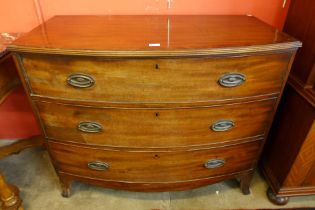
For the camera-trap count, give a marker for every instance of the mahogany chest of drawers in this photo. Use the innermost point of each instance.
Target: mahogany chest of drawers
(154, 103)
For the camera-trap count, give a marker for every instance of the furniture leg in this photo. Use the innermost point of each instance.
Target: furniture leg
(65, 186)
(9, 196)
(278, 200)
(245, 180)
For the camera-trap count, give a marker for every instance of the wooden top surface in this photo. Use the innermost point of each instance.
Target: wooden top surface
(170, 36)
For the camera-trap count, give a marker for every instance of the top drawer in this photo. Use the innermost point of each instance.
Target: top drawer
(178, 80)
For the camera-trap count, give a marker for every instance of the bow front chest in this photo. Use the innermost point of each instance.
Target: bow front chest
(154, 103)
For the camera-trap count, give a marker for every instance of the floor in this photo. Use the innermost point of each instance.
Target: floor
(32, 172)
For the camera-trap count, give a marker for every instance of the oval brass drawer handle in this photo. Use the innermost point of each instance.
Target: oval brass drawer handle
(223, 125)
(90, 127)
(232, 79)
(214, 163)
(98, 165)
(80, 80)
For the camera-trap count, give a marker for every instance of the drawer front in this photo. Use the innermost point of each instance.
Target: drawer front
(153, 166)
(155, 80)
(155, 127)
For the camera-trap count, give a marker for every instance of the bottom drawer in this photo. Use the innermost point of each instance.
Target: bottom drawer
(149, 166)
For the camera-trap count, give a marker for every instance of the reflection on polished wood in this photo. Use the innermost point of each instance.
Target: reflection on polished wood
(9, 196)
(139, 166)
(148, 111)
(156, 128)
(131, 36)
(174, 82)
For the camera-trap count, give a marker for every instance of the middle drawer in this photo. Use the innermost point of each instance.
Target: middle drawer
(156, 128)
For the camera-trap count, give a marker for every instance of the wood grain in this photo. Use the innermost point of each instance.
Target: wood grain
(9, 147)
(302, 26)
(305, 160)
(288, 161)
(146, 186)
(131, 36)
(155, 104)
(291, 146)
(163, 128)
(140, 166)
(9, 196)
(8, 76)
(138, 81)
